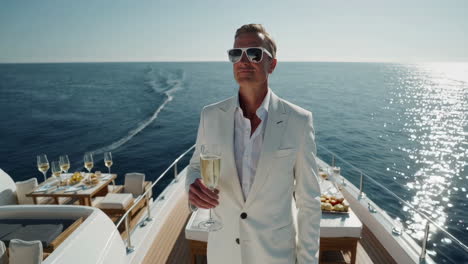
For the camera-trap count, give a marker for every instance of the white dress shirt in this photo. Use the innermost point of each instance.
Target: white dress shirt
(247, 148)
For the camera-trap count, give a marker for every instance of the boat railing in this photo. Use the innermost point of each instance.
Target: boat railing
(147, 195)
(364, 179)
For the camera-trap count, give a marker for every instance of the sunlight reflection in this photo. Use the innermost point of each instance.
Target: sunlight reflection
(436, 111)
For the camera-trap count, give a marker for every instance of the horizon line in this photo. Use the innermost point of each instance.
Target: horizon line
(193, 61)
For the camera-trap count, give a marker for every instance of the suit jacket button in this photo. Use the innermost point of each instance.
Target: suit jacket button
(243, 215)
(237, 241)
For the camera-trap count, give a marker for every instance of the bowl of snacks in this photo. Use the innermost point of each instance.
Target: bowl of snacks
(333, 204)
(75, 178)
(92, 180)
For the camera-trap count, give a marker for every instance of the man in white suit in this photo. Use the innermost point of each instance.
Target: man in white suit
(267, 155)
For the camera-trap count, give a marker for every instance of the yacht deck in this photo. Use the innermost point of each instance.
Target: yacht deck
(175, 249)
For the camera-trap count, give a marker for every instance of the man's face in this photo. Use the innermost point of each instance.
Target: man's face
(250, 73)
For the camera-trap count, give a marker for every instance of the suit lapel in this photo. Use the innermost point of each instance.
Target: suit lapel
(274, 131)
(228, 164)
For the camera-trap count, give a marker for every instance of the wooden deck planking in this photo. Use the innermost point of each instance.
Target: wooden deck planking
(170, 245)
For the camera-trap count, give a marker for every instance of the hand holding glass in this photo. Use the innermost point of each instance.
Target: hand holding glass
(210, 166)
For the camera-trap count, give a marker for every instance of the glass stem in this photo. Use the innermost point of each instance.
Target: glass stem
(211, 219)
(45, 177)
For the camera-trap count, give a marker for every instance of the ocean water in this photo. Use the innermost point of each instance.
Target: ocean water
(405, 125)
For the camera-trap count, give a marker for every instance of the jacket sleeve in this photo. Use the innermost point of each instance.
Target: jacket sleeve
(307, 192)
(193, 170)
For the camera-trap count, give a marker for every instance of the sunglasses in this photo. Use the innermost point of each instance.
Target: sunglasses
(254, 54)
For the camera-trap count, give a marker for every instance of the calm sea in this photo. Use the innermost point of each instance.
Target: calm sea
(405, 125)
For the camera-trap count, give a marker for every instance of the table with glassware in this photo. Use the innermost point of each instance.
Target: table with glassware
(338, 231)
(83, 190)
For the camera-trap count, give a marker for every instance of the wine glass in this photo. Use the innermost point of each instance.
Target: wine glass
(88, 161)
(64, 163)
(108, 160)
(323, 175)
(43, 165)
(55, 168)
(210, 160)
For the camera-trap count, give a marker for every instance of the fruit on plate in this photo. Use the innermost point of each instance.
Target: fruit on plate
(76, 178)
(326, 206)
(332, 203)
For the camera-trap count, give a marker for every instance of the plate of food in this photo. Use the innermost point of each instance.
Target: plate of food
(333, 204)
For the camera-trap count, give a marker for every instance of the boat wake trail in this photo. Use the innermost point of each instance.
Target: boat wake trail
(161, 82)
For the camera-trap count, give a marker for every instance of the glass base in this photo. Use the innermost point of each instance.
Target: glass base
(210, 225)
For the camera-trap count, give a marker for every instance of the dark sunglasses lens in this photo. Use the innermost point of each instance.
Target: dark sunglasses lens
(254, 54)
(234, 54)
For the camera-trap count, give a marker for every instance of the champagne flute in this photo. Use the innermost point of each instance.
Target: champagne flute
(64, 163)
(43, 165)
(88, 161)
(210, 160)
(55, 168)
(108, 160)
(323, 174)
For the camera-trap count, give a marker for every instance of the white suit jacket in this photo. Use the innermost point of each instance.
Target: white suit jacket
(260, 229)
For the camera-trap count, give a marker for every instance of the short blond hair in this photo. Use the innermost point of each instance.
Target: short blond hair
(269, 43)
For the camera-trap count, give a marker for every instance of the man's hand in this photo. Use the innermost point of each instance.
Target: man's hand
(201, 196)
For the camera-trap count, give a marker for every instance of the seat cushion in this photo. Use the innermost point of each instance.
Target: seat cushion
(3, 254)
(23, 188)
(43, 233)
(7, 228)
(25, 252)
(115, 201)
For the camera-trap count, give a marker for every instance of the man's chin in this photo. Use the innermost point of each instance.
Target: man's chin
(245, 80)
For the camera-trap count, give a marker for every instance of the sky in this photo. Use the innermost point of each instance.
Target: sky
(203, 30)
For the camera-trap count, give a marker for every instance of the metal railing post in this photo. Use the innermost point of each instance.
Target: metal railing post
(422, 257)
(130, 248)
(361, 186)
(175, 173)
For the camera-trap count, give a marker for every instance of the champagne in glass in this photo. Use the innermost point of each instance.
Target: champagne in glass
(64, 163)
(108, 160)
(55, 168)
(43, 165)
(88, 161)
(210, 163)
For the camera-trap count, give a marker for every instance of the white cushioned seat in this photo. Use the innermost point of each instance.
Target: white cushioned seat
(23, 188)
(134, 183)
(115, 201)
(25, 252)
(3, 253)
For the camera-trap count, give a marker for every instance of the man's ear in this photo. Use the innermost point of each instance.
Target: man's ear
(272, 66)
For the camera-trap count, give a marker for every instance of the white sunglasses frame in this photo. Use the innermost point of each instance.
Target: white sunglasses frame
(244, 50)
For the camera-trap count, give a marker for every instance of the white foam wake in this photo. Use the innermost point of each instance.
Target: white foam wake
(175, 85)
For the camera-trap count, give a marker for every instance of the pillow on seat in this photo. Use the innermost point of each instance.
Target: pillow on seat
(25, 252)
(3, 254)
(23, 188)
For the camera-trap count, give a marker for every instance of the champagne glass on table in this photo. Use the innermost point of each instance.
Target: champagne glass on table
(64, 163)
(88, 161)
(210, 166)
(108, 162)
(55, 168)
(43, 165)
